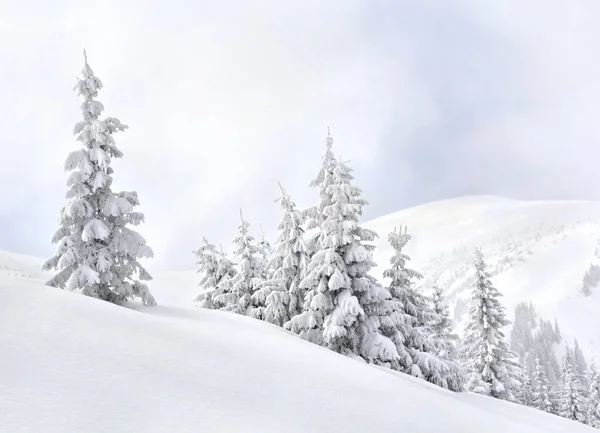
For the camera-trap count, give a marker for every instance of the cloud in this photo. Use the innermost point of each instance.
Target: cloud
(224, 99)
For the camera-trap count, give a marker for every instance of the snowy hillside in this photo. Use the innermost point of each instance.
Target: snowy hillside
(70, 363)
(537, 251)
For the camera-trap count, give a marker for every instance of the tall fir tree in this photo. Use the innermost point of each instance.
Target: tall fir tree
(572, 403)
(315, 215)
(442, 326)
(98, 253)
(237, 296)
(492, 367)
(557, 334)
(579, 362)
(541, 389)
(281, 293)
(593, 407)
(410, 321)
(344, 304)
(214, 268)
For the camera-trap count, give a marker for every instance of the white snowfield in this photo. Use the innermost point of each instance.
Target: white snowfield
(69, 363)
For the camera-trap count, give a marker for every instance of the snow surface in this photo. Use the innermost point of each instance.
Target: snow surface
(70, 363)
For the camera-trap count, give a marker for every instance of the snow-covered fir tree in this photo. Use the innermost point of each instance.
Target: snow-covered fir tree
(344, 304)
(572, 403)
(541, 389)
(579, 362)
(410, 322)
(557, 334)
(442, 326)
(282, 293)
(315, 215)
(98, 252)
(237, 294)
(265, 252)
(593, 406)
(493, 369)
(214, 267)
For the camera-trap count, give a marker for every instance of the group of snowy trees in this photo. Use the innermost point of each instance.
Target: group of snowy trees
(318, 284)
(568, 388)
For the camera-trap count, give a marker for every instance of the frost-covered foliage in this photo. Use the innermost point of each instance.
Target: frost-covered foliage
(541, 389)
(265, 252)
(344, 304)
(493, 369)
(98, 253)
(442, 326)
(238, 290)
(593, 407)
(572, 403)
(324, 179)
(215, 269)
(410, 321)
(282, 293)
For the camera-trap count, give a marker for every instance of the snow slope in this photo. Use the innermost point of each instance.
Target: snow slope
(537, 251)
(69, 363)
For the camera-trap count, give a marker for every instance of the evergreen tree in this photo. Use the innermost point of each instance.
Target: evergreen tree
(571, 404)
(493, 369)
(579, 363)
(541, 389)
(593, 408)
(412, 325)
(214, 268)
(265, 251)
(237, 295)
(324, 179)
(98, 253)
(442, 326)
(281, 293)
(344, 304)
(557, 334)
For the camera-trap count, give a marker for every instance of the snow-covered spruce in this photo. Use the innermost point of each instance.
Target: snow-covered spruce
(572, 403)
(215, 269)
(442, 326)
(409, 322)
(344, 304)
(237, 294)
(593, 407)
(541, 399)
(281, 293)
(492, 367)
(97, 252)
(324, 179)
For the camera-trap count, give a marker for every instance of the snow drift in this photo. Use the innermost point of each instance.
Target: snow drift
(75, 364)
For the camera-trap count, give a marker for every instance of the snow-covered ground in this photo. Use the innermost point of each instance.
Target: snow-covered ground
(74, 364)
(69, 363)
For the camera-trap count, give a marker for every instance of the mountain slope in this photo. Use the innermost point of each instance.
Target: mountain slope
(537, 251)
(74, 364)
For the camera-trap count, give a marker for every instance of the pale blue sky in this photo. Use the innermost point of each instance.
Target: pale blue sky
(429, 99)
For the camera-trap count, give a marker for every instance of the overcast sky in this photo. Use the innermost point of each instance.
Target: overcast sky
(428, 99)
